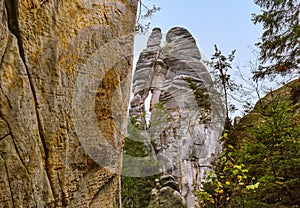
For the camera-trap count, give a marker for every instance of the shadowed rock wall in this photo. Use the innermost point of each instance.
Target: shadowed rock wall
(44, 47)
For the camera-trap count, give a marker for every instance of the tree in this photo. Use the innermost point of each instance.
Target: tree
(136, 191)
(144, 12)
(221, 64)
(260, 162)
(280, 40)
(228, 183)
(270, 148)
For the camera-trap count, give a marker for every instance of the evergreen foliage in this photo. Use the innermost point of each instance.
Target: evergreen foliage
(136, 191)
(280, 40)
(202, 97)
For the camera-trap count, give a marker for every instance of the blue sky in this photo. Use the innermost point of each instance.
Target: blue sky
(226, 23)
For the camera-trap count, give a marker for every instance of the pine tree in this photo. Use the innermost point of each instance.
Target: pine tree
(280, 40)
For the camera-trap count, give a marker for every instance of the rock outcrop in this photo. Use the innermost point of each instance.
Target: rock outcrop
(186, 113)
(167, 194)
(65, 70)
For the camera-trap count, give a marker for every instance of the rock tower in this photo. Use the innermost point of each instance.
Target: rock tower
(186, 112)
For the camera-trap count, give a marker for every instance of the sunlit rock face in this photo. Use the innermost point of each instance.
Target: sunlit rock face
(45, 47)
(186, 113)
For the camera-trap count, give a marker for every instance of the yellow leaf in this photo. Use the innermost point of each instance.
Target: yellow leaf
(227, 182)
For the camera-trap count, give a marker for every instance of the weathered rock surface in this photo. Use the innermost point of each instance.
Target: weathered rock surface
(45, 47)
(186, 114)
(167, 194)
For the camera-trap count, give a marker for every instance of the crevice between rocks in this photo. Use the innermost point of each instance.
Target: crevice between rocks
(12, 137)
(6, 135)
(13, 25)
(63, 195)
(1, 64)
(5, 51)
(107, 182)
(2, 91)
(9, 182)
(14, 143)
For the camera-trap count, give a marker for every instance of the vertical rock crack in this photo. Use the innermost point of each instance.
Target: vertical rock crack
(13, 26)
(9, 182)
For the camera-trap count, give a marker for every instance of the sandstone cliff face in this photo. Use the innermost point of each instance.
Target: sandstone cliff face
(65, 67)
(186, 114)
